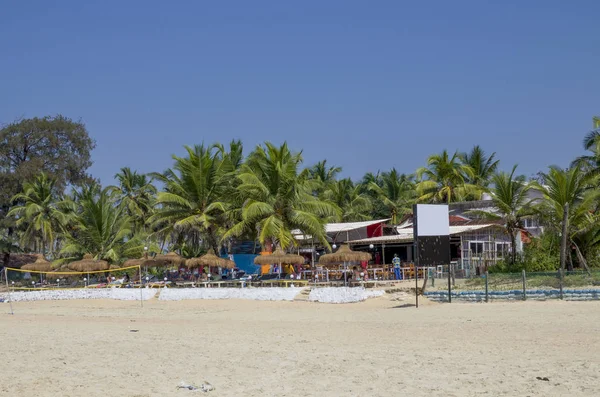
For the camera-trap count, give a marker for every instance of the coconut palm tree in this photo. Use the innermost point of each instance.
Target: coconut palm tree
(37, 211)
(397, 193)
(347, 196)
(278, 198)
(576, 188)
(444, 180)
(324, 176)
(136, 193)
(590, 162)
(484, 167)
(195, 195)
(511, 203)
(102, 228)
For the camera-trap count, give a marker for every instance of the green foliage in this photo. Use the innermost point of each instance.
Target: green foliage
(541, 255)
(55, 145)
(102, 228)
(278, 198)
(444, 180)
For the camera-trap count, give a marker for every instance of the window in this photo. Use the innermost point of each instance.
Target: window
(502, 250)
(530, 223)
(476, 247)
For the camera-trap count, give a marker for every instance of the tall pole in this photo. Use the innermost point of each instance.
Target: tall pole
(563, 242)
(141, 289)
(8, 289)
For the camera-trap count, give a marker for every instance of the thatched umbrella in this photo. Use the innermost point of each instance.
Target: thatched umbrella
(144, 262)
(344, 255)
(171, 259)
(88, 264)
(210, 260)
(40, 265)
(279, 257)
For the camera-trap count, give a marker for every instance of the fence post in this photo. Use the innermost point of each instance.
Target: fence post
(487, 297)
(432, 279)
(524, 285)
(449, 283)
(560, 282)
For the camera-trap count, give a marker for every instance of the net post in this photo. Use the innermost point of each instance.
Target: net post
(524, 279)
(141, 289)
(487, 293)
(8, 289)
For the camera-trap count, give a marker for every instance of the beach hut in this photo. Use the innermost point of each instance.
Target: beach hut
(342, 256)
(278, 258)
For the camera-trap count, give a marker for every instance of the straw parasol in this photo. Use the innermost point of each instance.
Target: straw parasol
(88, 264)
(144, 262)
(211, 260)
(171, 259)
(40, 265)
(344, 255)
(277, 258)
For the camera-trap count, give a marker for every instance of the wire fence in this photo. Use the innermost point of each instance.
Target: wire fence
(576, 285)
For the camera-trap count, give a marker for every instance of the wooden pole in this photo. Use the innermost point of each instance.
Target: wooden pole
(563, 242)
(524, 285)
(8, 289)
(141, 289)
(487, 297)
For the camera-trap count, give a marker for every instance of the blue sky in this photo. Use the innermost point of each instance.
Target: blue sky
(366, 85)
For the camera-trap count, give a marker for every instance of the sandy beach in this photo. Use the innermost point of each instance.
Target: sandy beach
(382, 347)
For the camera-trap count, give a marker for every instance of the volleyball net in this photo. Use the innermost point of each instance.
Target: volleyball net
(28, 280)
(20, 285)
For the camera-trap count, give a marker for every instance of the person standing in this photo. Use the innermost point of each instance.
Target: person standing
(396, 263)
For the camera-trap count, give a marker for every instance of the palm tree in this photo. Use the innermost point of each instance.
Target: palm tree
(573, 187)
(445, 179)
(354, 204)
(397, 193)
(510, 199)
(324, 173)
(136, 193)
(278, 198)
(38, 212)
(101, 228)
(324, 176)
(484, 167)
(195, 195)
(590, 163)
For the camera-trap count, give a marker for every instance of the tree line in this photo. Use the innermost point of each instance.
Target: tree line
(215, 194)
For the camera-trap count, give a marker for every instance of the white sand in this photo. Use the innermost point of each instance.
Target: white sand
(379, 347)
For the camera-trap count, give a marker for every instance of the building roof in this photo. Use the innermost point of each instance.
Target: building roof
(342, 227)
(405, 235)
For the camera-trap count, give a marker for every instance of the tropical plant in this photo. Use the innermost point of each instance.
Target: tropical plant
(102, 229)
(397, 193)
(37, 212)
(354, 205)
(573, 188)
(136, 193)
(194, 196)
(483, 166)
(324, 176)
(278, 198)
(444, 180)
(512, 204)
